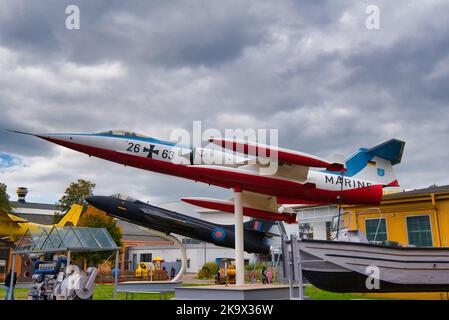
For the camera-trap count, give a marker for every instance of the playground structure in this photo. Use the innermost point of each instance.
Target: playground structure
(226, 272)
(153, 270)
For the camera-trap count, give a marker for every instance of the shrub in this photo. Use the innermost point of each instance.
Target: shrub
(208, 270)
(254, 266)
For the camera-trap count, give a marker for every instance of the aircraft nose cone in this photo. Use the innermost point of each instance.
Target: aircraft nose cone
(98, 202)
(90, 199)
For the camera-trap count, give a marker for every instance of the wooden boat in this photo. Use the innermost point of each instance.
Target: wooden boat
(341, 266)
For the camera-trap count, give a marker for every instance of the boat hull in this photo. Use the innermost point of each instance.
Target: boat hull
(353, 282)
(356, 267)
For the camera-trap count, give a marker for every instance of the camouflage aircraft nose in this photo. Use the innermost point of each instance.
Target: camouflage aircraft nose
(99, 202)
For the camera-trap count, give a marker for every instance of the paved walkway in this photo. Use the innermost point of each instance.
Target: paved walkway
(190, 278)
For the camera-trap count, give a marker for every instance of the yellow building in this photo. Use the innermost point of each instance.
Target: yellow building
(418, 218)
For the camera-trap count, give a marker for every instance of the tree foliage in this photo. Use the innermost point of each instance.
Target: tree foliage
(75, 194)
(4, 199)
(57, 217)
(208, 270)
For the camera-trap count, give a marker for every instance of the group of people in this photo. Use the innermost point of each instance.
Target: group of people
(172, 272)
(266, 275)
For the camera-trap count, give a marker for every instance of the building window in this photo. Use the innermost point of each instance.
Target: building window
(419, 231)
(188, 263)
(134, 264)
(305, 231)
(191, 241)
(146, 257)
(376, 230)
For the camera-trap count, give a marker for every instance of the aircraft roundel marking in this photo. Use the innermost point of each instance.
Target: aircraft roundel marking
(218, 234)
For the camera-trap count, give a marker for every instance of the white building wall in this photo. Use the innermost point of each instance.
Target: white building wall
(291, 228)
(35, 211)
(319, 231)
(195, 253)
(317, 214)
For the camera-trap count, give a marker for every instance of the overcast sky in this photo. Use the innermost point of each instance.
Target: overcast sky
(311, 69)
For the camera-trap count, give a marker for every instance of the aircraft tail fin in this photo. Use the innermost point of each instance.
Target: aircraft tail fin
(259, 225)
(376, 164)
(72, 216)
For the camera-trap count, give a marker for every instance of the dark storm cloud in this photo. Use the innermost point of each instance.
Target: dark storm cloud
(320, 13)
(403, 68)
(13, 143)
(167, 33)
(310, 69)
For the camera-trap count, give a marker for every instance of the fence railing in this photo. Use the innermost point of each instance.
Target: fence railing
(108, 277)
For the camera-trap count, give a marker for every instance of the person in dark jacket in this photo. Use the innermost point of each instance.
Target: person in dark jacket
(264, 275)
(172, 273)
(8, 285)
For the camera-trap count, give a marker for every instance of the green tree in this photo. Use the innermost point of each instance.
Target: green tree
(57, 217)
(4, 199)
(75, 194)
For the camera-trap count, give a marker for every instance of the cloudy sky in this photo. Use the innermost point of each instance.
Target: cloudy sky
(311, 69)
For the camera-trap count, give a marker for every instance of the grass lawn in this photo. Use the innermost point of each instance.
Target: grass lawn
(19, 293)
(317, 294)
(106, 292)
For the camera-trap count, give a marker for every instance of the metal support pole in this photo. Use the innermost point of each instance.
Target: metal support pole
(238, 221)
(297, 266)
(116, 274)
(11, 285)
(67, 275)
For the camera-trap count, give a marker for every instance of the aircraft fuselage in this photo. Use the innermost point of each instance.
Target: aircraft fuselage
(197, 164)
(167, 221)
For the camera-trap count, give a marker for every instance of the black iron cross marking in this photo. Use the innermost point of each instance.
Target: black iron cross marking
(150, 151)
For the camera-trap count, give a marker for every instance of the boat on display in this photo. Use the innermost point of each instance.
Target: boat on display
(341, 266)
(350, 263)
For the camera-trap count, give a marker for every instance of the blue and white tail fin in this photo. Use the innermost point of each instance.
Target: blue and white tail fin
(376, 164)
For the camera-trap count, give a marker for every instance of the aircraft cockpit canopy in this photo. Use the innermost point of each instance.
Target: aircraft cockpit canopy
(123, 133)
(121, 196)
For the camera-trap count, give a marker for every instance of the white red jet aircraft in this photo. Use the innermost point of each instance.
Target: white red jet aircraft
(359, 179)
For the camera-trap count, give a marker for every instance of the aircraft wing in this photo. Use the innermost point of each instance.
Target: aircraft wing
(255, 205)
(175, 220)
(284, 156)
(5, 217)
(230, 177)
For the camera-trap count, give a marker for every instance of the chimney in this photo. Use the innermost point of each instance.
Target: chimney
(21, 193)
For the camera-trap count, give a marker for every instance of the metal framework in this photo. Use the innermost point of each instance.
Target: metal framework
(292, 269)
(65, 239)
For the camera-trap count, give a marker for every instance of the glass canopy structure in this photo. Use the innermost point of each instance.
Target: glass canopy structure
(65, 239)
(74, 239)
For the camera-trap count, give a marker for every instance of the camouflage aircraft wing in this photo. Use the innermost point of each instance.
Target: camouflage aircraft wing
(175, 220)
